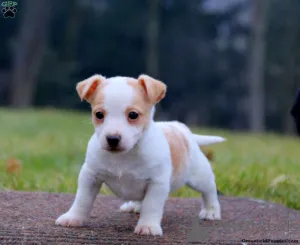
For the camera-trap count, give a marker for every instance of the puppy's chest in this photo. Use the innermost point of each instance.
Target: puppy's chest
(127, 177)
(127, 186)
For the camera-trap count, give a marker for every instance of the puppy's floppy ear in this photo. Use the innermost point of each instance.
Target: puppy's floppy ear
(87, 87)
(155, 90)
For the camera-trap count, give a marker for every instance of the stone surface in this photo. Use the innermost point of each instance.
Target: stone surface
(28, 218)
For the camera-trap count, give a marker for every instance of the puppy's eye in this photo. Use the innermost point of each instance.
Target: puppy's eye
(133, 115)
(99, 115)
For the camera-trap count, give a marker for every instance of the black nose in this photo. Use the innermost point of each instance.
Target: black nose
(113, 140)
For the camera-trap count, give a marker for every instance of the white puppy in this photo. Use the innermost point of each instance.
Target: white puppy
(140, 160)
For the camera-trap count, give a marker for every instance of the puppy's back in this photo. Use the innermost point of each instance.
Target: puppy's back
(178, 137)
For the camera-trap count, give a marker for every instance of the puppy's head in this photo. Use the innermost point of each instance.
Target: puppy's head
(122, 108)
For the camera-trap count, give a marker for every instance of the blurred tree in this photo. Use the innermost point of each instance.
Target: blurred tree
(6, 41)
(152, 42)
(290, 65)
(199, 53)
(29, 50)
(196, 69)
(72, 31)
(112, 40)
(283, 65)
(257, 66)
(57, 78)
(152, 38)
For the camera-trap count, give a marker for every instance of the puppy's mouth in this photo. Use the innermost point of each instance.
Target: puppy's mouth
(114, 149)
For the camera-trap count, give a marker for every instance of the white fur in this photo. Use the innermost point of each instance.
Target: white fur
(118, 96)
(131, 206)
(142, 173)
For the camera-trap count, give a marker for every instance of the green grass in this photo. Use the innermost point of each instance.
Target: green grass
(51, 146)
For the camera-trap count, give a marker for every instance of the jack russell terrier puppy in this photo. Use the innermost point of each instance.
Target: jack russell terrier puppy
(140, 160)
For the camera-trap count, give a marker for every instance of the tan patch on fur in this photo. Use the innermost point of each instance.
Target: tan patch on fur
(86, 88)
(98, 99)
(140, 104)
(91, 90)
(97, 102)
(154, 90)
(179, 147)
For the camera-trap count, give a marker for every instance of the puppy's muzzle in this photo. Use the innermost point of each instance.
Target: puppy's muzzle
(113, 141)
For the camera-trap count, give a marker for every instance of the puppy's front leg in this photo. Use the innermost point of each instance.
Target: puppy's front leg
(152, 209)
(88, 188)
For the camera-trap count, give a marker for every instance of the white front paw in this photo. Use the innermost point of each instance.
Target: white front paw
(211, 213)
(131, 207)
(148, 229)
(71, 220)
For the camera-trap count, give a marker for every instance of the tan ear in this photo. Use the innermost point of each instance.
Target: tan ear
(87, 87)
(155, 90)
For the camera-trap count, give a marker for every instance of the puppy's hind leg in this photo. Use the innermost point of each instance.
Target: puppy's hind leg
(202, 179)
(131, 207)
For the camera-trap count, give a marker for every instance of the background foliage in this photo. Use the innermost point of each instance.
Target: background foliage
(204, 50)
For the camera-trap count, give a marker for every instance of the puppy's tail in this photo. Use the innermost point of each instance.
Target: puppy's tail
(207, 139)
